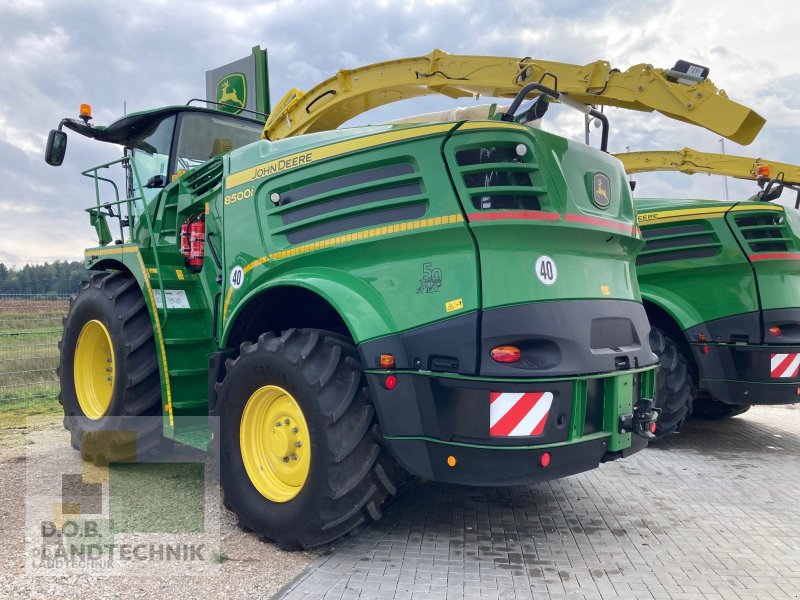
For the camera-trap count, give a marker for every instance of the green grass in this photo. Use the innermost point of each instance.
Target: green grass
(29, 334)
(18, 417)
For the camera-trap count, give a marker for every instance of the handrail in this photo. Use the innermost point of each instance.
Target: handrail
(92, 172)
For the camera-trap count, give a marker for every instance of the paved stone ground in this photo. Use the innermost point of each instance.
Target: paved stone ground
(713, 512)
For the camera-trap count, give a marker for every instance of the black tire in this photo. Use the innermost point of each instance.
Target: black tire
(709, 408)
(675, 383)
(115, 300)
(350, 476)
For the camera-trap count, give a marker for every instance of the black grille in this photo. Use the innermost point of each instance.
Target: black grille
(497, 178)
(764, 232)
(678, 242)
(204, 179)
(346, 201)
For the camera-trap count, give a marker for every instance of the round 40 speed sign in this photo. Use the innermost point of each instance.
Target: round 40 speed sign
(546, 270)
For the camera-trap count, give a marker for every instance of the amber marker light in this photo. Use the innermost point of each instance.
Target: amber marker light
(85, 112)
(387, 361)
(451, 461)
(505, 354)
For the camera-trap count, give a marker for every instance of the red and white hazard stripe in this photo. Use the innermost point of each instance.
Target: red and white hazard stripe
(784, 365)
(518, 414)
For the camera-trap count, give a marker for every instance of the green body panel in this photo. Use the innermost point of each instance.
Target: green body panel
(702, 288)
(778, 279)
(592, 255)
(372, 282)
(385, 270)
(725, 283)
(424, 259)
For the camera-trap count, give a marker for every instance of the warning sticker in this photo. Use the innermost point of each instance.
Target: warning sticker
(518, 414)
(175, 299)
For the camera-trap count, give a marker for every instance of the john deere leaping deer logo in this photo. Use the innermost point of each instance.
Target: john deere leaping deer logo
(601, 190)
(232, 93)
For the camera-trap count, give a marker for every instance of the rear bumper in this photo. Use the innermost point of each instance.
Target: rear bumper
(749, 374)
(511, 466)
(561, 338)
(428, 418)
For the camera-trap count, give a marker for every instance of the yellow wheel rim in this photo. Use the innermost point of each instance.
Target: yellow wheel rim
(94, 370)
(275, 443)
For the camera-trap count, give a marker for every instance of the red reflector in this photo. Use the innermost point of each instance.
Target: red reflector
(776, 331)
(390, 382)
(506, 354)
(705, 349)
(653, 427)
(545, 459)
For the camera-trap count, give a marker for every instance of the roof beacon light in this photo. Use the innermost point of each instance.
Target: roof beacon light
(85, 113)
(763, 171)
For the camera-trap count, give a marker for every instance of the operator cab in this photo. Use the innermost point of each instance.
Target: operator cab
(159, 146)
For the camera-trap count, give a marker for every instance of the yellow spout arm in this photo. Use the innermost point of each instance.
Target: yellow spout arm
(642, 88)
(691, 161)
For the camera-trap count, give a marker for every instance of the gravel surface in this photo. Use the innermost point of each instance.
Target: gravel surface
(250, 568)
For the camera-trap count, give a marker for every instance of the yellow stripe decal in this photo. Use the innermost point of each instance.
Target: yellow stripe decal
(345, 239)
(312, 155)
(157, 320)
(671, 216)
(764, 206)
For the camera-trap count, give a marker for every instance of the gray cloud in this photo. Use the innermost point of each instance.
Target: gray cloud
(152, 53)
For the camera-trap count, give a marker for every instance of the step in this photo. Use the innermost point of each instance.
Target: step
(188, 372)
(189, 341)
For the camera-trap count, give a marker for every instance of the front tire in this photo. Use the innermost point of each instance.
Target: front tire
(300, 459)
(108, 369)
(675, 386)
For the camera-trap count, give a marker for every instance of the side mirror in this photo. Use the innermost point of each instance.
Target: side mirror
(773, 190)
(156, 181)
(56, 147)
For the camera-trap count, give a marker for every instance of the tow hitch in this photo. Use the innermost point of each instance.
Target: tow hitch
(643, 420)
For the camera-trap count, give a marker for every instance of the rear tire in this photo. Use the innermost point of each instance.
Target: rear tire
(708, 408)
(114, 392)
(319, 492)
(675, 387)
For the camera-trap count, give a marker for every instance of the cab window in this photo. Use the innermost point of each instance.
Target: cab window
(150, 151)
(203, 136)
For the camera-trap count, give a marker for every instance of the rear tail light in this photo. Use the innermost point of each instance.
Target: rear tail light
(776, 331)
(505, 354)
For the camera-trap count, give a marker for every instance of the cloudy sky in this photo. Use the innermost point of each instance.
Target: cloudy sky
(149, 53)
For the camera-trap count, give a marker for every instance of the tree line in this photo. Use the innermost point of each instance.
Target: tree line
(59, 277)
